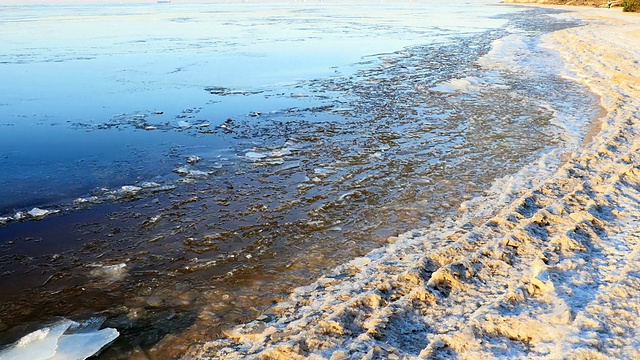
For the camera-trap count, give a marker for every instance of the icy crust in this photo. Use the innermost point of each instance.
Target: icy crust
(523, 52)
(554, 274)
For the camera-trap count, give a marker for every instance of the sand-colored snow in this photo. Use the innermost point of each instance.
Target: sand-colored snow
(554, 273)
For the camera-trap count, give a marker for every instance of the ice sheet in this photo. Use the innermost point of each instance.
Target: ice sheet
(64, 340)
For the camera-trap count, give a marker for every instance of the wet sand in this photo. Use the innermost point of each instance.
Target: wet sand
(554, 273)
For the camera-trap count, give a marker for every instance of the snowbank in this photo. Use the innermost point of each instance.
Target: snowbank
(554, 274)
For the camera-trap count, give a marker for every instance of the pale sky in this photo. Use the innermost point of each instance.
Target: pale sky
(78, 2)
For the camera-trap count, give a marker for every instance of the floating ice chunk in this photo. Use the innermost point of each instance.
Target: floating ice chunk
(39, 213)
(149, 185)
(323, 171)
(193, 159)
(281, 152)
(182, 170)
(274, 161)
(40, 344)
(19, 215)
(64, 340)
(109, 273)
(350, 194)
(293, 165)
(188, 172)
(183, 124)
(93, 199)
(198, 174)
(252, 155)
(152, 220)
(83, 345)
(300, 95)
(130, 189)
(4, 219)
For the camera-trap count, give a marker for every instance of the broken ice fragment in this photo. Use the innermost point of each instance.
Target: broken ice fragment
(164, 188)
(183, 124)
(198, 174)
(281, 152)
(152, 220)
(37, 212)
(64, 340)
(252, 155)
(182, 170)
(130, 189)
(149, 185)
(193, 159)
(93, 199)
(40, 344)
(323, 171)
(44, 341)
(186, 171)
(109, 273)
(83, 345)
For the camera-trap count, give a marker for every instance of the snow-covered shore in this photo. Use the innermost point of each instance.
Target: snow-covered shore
(554, 273)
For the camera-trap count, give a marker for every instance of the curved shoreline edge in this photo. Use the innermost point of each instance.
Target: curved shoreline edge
(554, 274)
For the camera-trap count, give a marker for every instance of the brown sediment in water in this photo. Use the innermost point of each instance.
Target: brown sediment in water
(555, 274)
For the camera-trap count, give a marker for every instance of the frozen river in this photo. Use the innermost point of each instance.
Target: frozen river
(178, 168)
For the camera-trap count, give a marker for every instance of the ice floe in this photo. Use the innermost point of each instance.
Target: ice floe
(40, 213)
(252, 155)
(130, 189)
(109, 273)
(63, 340)
(272, 157)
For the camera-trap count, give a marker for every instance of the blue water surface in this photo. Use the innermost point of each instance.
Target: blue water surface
(66, 70)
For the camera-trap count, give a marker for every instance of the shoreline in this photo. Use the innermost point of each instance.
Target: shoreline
(554, 274)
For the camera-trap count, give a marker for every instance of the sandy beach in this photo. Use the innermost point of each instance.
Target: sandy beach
(551, 272)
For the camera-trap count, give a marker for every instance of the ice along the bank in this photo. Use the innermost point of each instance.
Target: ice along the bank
(553, 274)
